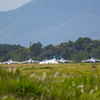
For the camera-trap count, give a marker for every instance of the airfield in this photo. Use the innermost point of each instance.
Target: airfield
(65, 81)
(67, 68)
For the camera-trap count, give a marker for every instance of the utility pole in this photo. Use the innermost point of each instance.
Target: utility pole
(30, 44)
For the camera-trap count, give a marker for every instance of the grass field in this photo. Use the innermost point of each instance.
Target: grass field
(70, 81)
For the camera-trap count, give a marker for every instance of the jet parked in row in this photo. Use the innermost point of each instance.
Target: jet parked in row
(0, 62)
(92, 60)
(62, 60)
(29, 61)
(11, 62)
(51, 61)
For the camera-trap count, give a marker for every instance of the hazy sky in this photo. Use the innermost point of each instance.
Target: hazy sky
(49, 21)
(6, 5)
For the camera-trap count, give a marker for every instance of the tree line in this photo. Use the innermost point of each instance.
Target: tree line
(76, 51)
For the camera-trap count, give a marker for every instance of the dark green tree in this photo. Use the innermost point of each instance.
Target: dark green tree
(36, 48)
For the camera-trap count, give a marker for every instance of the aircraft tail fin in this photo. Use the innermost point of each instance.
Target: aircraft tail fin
(54, 57)
(29, 56)
(60, 55)
(11, 58)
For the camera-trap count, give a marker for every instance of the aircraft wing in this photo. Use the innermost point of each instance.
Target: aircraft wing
(33, 61)
(97, 60)
(86, 60)
(68, 61)
(5, 62)
(64, 61)
(44, 61)
(27, 61)
(24, 62)
(15, 62)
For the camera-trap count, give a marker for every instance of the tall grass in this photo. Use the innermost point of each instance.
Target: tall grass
(49, 86)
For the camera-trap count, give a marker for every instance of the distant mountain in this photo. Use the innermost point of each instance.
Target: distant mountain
(50, 22)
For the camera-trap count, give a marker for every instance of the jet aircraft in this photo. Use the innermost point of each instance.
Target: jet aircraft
(62, 60)
(51, 61)
(10, 61)
(92, 60)
(29, 61)
(0, 62)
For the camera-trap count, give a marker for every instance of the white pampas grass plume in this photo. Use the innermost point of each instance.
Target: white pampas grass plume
(62, 80)
(82, 90)
(73, 84)
(5, 97)
(96, 88)
(32, 75)
(91, 91)
(39, 78)
(80, 86)
(14, 70)
(44, 75)
(56, 74)
(9, 69)
(63, 75)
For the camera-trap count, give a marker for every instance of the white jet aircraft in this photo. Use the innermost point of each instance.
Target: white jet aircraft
(62, 60)
(51, 61)
(0, 62)
(92, 60)
(29, 61)
(11, 62)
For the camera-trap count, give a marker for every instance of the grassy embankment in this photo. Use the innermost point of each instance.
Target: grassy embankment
(53, 82)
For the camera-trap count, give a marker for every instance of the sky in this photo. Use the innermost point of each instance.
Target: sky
(49, 21)
(6, 5)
